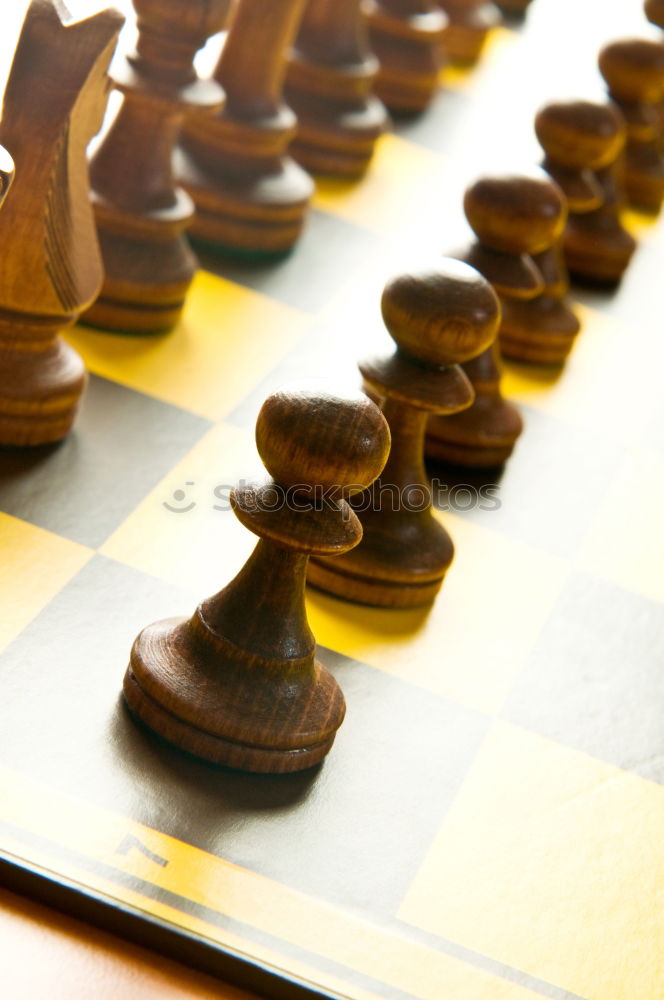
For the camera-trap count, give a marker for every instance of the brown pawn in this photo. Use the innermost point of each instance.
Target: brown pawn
(542, 329)
(50, 267)
(250, 196)
(437, 318)
(238, 683)
(513, 217)
(141, 213)
(654, 10)
(329, 84)
(470, 22)
(634, 73)
(583, 142)
(513, 8)
(407, 36)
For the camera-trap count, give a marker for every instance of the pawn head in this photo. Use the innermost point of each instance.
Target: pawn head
(581, 134)
(316, 438)
(655, 11)
(442, 315)
(634, 69)
(522, 213)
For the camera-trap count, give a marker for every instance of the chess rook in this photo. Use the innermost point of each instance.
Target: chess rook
(407, 37)
(437, 319)
(238, 683)
(470, 22)
(50, 268)
(583, 143)
(634, 73)
(329, 83)
(250, 196)
(141, 213)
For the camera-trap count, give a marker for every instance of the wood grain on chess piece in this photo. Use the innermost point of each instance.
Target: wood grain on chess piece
(583, 143)
(141, 213)
(407, 36)
(238, 683)
(50, 268)
(329, 84)
(513, 217)
(543, 329)
(654, 10)
(251, 197)
(470, 22)
(634, 73)
(437, 318)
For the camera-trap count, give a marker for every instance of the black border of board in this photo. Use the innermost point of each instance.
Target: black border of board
(28, 879)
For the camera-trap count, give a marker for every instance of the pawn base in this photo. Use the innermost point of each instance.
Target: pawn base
(377, 593)
(207, 696)
(467, 33)
(401, 561)
(251, 213)
(211, 748)
(541, 331)
(597, 248)
(410, 56)
(513, 8)
(338, 139)
(645, 191)
(482, 436)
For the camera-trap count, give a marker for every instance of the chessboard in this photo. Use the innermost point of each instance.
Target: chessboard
(489, 821)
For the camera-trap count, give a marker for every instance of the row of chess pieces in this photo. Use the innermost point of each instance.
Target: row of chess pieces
(347, 507)
(222, 160)
(347, 504)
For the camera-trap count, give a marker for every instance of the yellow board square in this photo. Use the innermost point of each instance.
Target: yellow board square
(583, 392)
(36, 564)
(229, 337)
(552, 862)
(184, 531)
(472, 643)
(468, 650)
(625, 544)
(340, 936)
(498, 47)
(394, 195)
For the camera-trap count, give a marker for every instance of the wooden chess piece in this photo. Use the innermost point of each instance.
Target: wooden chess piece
(654, 10)
(238, 683)
(251, 198)
(50, 269)
(470, 22)
(437, 318)
(634, 73)
(583, 142)
(329, 83)
(513, 8)
(513, 218)
(407, 37)
(542, 329)
(141, 213)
